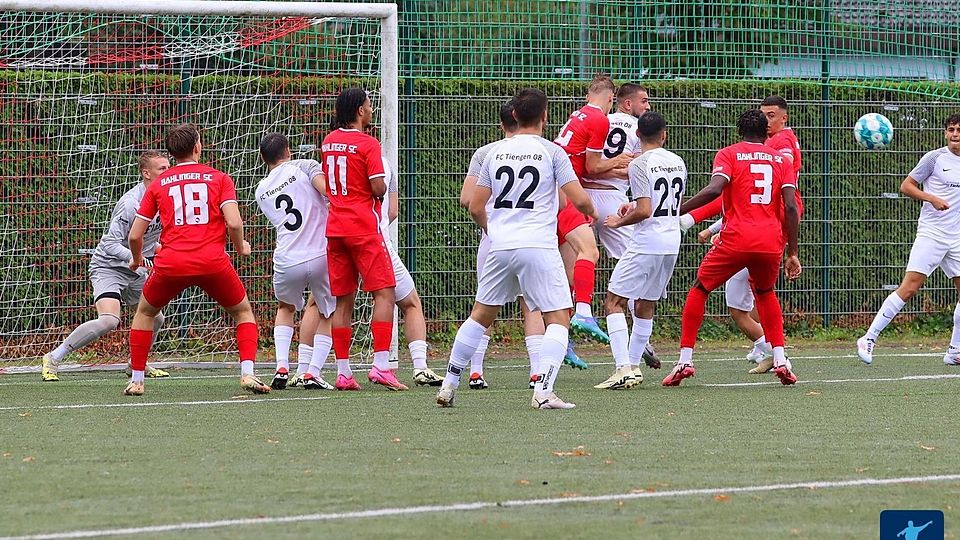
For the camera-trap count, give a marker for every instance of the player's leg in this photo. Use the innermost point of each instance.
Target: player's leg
(309, 321)
(764, 269)
(320, 308)
(157, 293)
(616, 309)
(581, 239)
(608, 202)
(738, 293)
(414, 322)
(288, 286)
(533, 329)
(653, 274)
(373, 261)
(951, 267)
(925, 256)
(476, 361)
(343, 286)
(130, 296)
(643, 312)
(569, 257)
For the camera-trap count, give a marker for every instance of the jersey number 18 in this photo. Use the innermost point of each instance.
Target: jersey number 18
(190, 204)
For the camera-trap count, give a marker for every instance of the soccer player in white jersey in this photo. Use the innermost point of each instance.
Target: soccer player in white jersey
(524, 175)
(657, 181)
(936, 182)
(408, 300)
(113, 282)
(291, 198)
(532, 321)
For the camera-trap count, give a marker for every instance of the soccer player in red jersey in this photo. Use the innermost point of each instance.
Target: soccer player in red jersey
(583, 138)
(198, 209)
(355, 186)
(759, 205)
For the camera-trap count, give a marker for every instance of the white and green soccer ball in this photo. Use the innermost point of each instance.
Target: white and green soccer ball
(873, 131)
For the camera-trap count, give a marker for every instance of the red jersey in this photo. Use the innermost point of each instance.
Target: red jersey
(350, 160)
(189, 198)
(752, 216)
(585, 131)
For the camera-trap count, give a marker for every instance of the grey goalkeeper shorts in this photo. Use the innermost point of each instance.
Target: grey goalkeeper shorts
(120, 283)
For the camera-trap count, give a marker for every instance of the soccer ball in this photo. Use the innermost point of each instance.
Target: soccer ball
(873, 131)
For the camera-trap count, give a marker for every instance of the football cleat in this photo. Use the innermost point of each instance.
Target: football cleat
(865, 347)
(346, 383)
(48, 369)
(622, 378)
(571, 359)
(650, 357)
(589, 326)
(446, 396)
(252, 384)
(549, 400)
(280, 379)
(785, 375)
(315, 383)
(477, 382)
(133, 389)
(296, 381)
(679, 373)
(426, 377)
(156, 373)
(637, 376)
(759, 353)
(385, 377)
(763, 367)
(952, 357)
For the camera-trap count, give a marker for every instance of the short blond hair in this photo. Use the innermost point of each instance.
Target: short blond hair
(145, 158)
(600, 84)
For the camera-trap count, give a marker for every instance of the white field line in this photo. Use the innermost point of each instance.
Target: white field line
(157, 403)
(835, 381)
(460, 507)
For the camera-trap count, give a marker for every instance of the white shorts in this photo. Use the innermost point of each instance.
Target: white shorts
(482, 251)
(117, 282)
(607, 202)
(639, 276)
(289, 284)
(927, 254)
(405, 286)
(737, 291)
(537, 273)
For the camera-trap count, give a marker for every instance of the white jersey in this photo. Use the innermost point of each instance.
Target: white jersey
(114, 248)
(391, 180)
(297, 210)
(476, 161)
(660, 175)
(622, 137)
(939, 174)
(524, 173)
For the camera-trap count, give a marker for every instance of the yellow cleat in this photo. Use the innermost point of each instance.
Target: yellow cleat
(133, 389)
(763, 367)
(156, 373)
(252, 384)
(48, 369)
(621, 378)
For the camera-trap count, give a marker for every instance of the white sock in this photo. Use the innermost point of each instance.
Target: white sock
(639, 338)
(891, 306)
(418, 353)
(137, 376)
(552, 350)
(304, 357)
(686, 355)
(617, 330)
(468, 339)
(476, 361)
(246, 367)
(779, 357)
(343, 368)
(321, 349)
(534, 343)
(381, 360)
(583, 309)
(59, 353)
(955, 337)
(282, 337)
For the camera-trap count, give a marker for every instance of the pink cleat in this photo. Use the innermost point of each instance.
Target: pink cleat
(385, 377)
(679, 373)
(785, 375)
(346, 383)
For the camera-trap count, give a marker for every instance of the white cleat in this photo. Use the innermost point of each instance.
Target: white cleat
(865, 350)
(549, 400)
(446, 396)
(759, 353)
(952, 358)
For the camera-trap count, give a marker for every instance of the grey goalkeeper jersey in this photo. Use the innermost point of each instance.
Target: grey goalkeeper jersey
(114, 249)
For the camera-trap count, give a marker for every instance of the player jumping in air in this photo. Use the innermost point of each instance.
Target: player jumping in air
(197, 205)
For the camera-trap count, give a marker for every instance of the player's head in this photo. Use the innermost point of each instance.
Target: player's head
(951, 130)
(633, 98)
(752, 126)
(600, 92)
(652, 128)
(530, 108)
(775, 109)
(183, 142)
(507, 122)
(151, 164)
(274, 149)
(352, 108)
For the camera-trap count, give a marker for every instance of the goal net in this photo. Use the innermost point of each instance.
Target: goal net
(83, 93)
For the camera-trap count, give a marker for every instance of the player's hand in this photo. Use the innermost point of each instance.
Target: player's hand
(611, 222)
(624, 159)
(704, 236)
(939, 203)
(792, 267)
(245, 249)
(135, 263)
(624, 209)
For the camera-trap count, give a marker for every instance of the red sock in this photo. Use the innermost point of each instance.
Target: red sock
(341, 342)
(584, 279)
(708, 210)
(140, 341)
(692, 318)
(248, 338)
(771, 318)
(382, 334)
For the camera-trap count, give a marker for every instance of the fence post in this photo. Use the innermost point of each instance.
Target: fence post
(825, 229)
(409, 137)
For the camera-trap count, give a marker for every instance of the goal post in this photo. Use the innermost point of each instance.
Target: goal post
(89, 84)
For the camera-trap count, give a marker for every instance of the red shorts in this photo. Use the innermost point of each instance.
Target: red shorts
(224, 286)
(569, 219)
(722, 262)
(367, 256)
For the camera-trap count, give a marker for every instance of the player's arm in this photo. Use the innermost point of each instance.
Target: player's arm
(478, 205)
(791, 226)
(911, 188)
(394, 212)
(570, 189)
(467, 189)
(135, 241)
(637, 213)
(319, 182)
(597, 167)
(119, 230)
(705, 195)
(234, 223)
(581, 201)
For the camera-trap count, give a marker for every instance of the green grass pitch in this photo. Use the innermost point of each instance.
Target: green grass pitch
(196, 455)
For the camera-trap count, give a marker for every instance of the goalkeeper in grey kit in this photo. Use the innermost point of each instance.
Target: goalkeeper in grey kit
(113, 281)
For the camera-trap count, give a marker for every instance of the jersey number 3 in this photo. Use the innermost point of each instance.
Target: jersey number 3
(287, 202)
(764, 182)
(190, 204)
